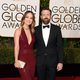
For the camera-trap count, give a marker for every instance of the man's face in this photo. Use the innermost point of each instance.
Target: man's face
(45, 16)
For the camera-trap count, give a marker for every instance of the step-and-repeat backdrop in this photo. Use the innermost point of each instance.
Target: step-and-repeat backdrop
(11, 12)
(66, 14)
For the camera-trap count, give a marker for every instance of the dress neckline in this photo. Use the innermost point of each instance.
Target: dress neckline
(27, 38)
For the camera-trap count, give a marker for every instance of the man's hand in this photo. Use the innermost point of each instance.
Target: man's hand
(59, 66)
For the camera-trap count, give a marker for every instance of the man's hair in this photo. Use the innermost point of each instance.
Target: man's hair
(45, 8)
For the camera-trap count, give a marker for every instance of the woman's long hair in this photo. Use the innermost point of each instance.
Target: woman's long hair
(33, 23)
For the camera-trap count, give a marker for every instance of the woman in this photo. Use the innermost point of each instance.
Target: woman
(23, 47)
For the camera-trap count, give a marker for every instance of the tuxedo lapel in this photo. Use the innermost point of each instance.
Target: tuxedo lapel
(50, 35)
(41, 35)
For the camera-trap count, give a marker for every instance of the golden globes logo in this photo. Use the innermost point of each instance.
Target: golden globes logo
(12, 13)
(68, 17)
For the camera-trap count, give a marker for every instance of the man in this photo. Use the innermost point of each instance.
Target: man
(49, 47)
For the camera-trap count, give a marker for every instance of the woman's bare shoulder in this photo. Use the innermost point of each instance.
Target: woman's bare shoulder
(17, 31)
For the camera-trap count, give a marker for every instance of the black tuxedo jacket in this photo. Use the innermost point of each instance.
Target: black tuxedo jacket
(54, 48)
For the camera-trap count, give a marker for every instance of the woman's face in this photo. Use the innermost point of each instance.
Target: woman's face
(28, 19)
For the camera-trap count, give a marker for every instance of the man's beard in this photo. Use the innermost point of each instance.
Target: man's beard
(46, 20)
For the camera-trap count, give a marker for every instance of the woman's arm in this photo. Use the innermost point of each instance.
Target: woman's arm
(16, 47)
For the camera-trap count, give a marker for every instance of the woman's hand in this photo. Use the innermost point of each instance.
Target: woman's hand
(17, 64)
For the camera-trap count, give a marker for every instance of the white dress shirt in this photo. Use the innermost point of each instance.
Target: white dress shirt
(45, 33)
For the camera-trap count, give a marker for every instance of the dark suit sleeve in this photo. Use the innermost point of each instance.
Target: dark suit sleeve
(60, 46)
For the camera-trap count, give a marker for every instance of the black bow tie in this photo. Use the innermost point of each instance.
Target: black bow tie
(46, 26)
